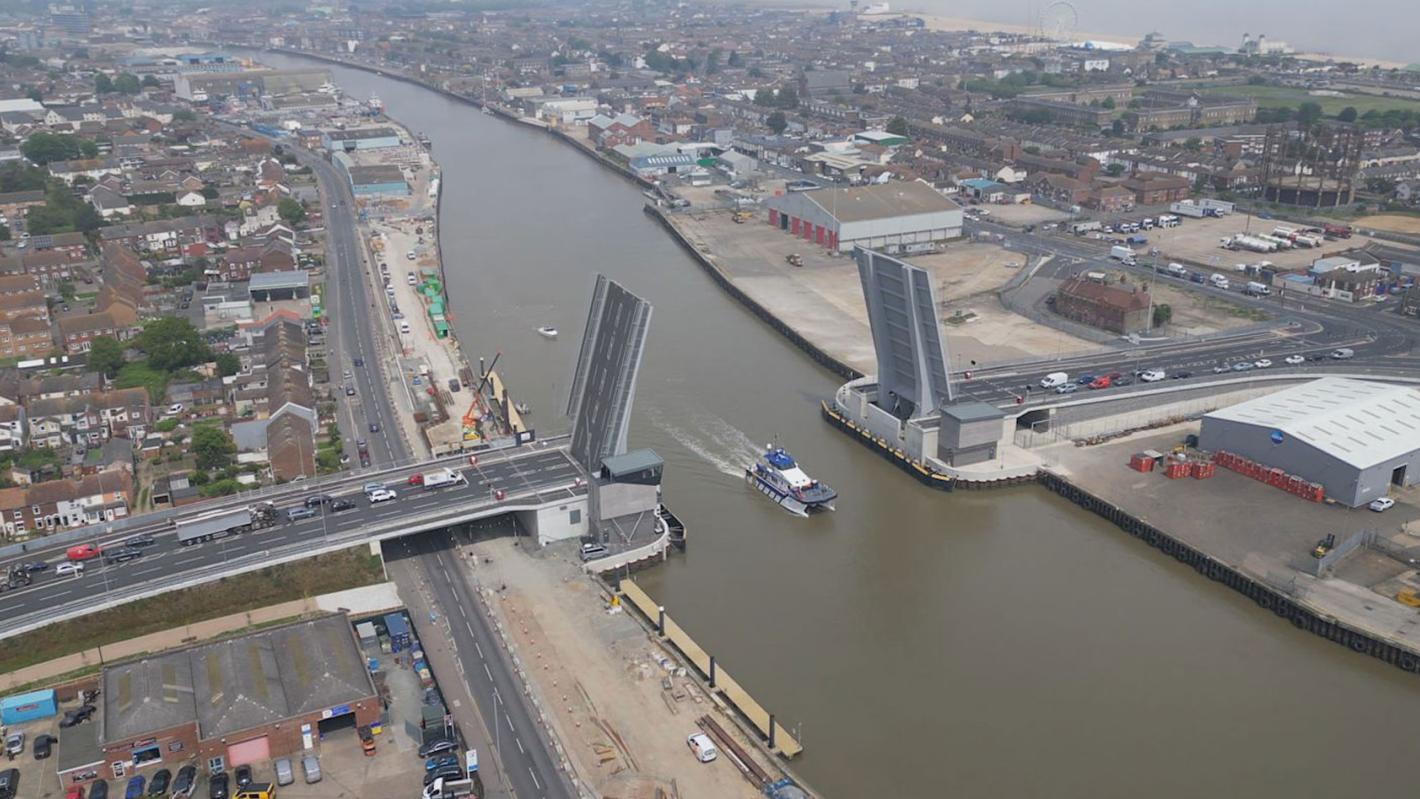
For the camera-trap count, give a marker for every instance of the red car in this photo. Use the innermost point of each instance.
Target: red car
(1102, 381)
(83, 552)
(74, 792)
(416, 479)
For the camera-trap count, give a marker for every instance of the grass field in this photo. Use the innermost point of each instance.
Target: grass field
(1396, 223)
(337, 571)
(1277, 96)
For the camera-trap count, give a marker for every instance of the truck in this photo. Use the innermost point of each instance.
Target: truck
(1255, 289)
(1190, 209)
(1242, 241)
(437, 478)
(1081, 228)
(1218, 281)
(1282, 244)
(1177, 270)
(1307, 240)
(1137, 240)
(1336, 231)
(1168, 220)
(1123, 255)
(211, 526)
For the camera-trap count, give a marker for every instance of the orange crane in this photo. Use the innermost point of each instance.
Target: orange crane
(474, 414)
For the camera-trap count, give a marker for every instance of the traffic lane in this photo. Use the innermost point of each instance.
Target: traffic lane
(484, 657)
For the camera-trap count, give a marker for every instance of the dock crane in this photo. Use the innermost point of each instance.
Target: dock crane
(474, 414)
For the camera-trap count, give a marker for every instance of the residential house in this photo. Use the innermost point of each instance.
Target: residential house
(57, 505)
(1105, 306)
(1111, 199)
(89, 419)
(1157, 188)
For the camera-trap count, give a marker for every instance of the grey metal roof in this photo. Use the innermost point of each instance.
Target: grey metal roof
(882, 201)
(972, 411)
(1356, 421)
(637, 460)
(288, 279)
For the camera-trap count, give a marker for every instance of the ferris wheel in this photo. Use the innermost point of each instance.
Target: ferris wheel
(1058, 21)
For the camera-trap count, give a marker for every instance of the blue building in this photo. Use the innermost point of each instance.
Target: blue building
(377, 179)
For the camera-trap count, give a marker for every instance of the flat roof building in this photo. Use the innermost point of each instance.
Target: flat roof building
(900, 217)
(1355, 437)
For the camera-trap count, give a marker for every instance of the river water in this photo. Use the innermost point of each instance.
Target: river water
(1000, 643)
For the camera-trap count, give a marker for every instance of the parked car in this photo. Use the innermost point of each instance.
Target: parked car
(14, 743)
(135, 787)
(592, 551)
(1381, 504)
(283, 772)
(446, 773)
(310, 767)
(44, 745)
(702, 746)
(9, 783)
(185, 782)
(349, 391)
(437, 746)
(98, 789)
(159, 785)
(243, 776)
(435, 763)
(77, 716)
(217, 786)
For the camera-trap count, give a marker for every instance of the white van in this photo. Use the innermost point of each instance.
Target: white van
(1218, 281)
(1177, 270)
(404, 326)
(702, 746)
(1054, 380)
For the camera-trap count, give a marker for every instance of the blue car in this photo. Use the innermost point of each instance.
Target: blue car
(135, 788)
(1085, 380)
(436, 763)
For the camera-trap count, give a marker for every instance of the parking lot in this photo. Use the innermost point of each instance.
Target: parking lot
(1198, 241)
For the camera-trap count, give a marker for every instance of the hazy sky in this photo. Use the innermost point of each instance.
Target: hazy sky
(1382, 29)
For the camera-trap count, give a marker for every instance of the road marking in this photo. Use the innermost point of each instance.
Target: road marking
(486, 671)
(534, 776)
(509, 719)
(519, 742)
(475, 645)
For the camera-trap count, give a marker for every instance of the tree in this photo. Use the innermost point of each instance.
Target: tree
(788, 97)
(103, 84)
(184, 115)
(106, 355)
(228, 364)
(44, 148)
(1348, 114)
(1308, 113)
(764, 97)
(1115, 170)
(66, 290)
(735, 60)
(777, 122)
(127, 83)
(712, 62)
(151, 82)
(1162, 314)
(1108, 103)
(897, 126)
(1383, 186)
(212, 447)
(172, 343)
(1193, 144)
(19, 176)
(291, 210)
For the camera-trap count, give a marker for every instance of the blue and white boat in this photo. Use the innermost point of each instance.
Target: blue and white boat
(778, 477)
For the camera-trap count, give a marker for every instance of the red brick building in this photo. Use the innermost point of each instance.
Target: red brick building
(1116, 307)
(1157, 188)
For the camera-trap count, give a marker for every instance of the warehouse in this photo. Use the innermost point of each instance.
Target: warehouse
(359, 139)
(236, 701)
(891, 217)
(1357, 438)
(368, 180)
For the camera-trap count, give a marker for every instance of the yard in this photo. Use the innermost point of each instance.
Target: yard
(1277, 96)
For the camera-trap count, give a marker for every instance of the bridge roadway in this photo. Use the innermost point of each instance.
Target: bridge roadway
(530, 476)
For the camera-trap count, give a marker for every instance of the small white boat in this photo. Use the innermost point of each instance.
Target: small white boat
(547, 331)
(523, 408)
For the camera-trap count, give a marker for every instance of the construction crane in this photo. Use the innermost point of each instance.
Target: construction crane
(474, 414)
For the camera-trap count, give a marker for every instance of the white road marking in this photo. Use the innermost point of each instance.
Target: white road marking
(486, 671)
(534, 776)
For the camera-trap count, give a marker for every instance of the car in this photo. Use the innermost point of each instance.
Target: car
(374, 427)
(364, 460)
(185, 782)
(283, 772)
(317, 500)
(135, 787)
(593, 550)
(77, 716)
(1124, 380)
(118, 555)
(1102, 381)
(361, 445)
(1221, 368)
(454, 384)
(382, 495)
(14, 743)
(349, 391)
(44, 746)
(435, 763)
(1293, 360)
(344, 458)
(702, 746)
(1068, 388)
(1316, 356)
(72, 569)
(98, 789)
(1262, 363)
(445, 773)
(349, 375)
(9, 783)
(175, 409)
(1242, 366)
(373, 487)
(338, 505)
(35, 566)
(358, 362)
(437, 746)
(1342, 354)
(1153, 375)
(1183, 375)
(1381, 504)
(159, 784)
(300, 512)
(310, 768)
(243, 776)
(1085, 379)
(144, 540)
(217, 786)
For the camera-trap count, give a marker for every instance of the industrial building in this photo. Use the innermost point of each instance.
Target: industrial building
(359, 139)
(1354, 437)
(241, 700)
(202, 86)
(371, 180)
(890, 217)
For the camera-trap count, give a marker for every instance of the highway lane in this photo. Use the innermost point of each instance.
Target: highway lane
(527, 763)
(539, 470)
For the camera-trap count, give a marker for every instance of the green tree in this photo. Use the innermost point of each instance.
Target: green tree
(1193, 144)
(19, 176)
(1348, 114)
(777, 122)
(228, 364)
(1114, 170)
(1162, 314)
(172, 343)
(712, 62)
(127, 83)
(151, 82)
(184, 115)
(735, 60)
(103, 84)
(1308, 113)
(1108, 103)
(43, 148)
(291, 210)
(212, 448)
(897, 126)
(788, 97)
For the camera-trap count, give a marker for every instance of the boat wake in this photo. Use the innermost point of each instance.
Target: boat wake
(712, 439)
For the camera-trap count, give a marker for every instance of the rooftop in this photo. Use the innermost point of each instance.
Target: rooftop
(1357, 421)
(881, 201)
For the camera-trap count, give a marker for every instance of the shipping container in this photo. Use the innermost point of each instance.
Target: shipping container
(21, 708)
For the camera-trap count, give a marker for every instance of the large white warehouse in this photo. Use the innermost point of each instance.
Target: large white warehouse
(1355, 437)
(888, 217)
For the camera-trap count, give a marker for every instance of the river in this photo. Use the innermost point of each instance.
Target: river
(999, 643)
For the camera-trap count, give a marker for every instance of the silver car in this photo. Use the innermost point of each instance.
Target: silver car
(311, 766)
(284, 776)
